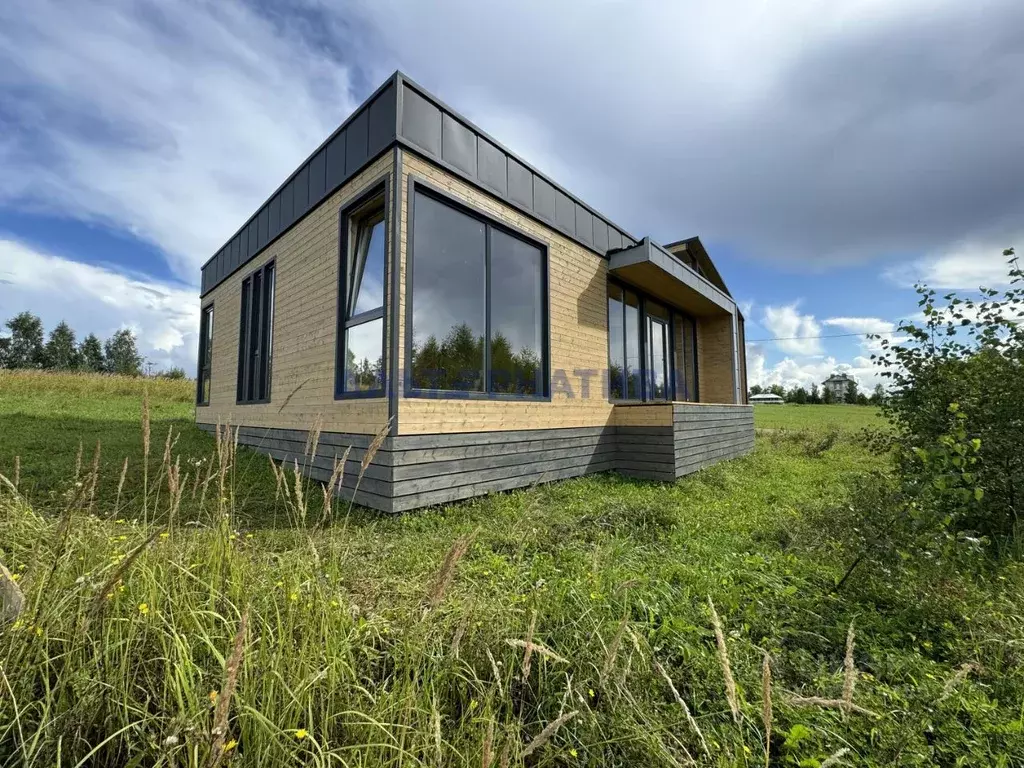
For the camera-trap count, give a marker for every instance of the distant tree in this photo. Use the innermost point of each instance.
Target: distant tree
(172, 373)
(851, 393)
(798, 395)
(829, 397)
(863, 399)
(122, 354)
(815, 396)
(61, 353)
(757, 389)
(90, 353)
(26, 342)
(777, 389)
(878, 396)
(5, 351)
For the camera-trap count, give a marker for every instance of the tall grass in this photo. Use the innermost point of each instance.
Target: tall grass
(595, 622)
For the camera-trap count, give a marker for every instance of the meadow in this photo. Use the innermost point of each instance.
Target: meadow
(186, 604)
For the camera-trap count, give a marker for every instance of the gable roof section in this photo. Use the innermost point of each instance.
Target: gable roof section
(401, 112)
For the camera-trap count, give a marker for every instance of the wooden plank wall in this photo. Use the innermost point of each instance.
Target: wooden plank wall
(707, 434)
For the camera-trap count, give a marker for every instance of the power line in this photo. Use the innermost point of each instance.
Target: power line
(806, 338)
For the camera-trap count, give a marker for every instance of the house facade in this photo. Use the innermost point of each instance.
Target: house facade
(416, 280)
(839, 384)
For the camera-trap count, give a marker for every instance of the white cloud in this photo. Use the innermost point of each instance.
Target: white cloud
(172, 121)
(164, 317)
(796, 333)
(805, 372)
(966, 267)
(884, 330)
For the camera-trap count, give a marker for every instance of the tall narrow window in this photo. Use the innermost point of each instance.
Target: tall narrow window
(255, 336)
(658, 354)
(360, 367)
(205, 366)
(686, 358)
(478, 305)
(616, 344)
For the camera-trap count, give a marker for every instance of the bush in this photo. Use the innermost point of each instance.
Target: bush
(957, 408)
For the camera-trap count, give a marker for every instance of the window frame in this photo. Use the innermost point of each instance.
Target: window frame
(205, 351)
(264, 347)
(352, 212)
(418, 185)
(643, 299)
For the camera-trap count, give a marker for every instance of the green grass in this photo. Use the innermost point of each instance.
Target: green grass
(345, 648)
(792, 416)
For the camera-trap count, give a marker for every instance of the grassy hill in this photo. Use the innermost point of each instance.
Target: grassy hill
(232, 613)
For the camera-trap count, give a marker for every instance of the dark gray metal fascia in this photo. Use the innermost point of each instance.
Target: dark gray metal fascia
(649, 251)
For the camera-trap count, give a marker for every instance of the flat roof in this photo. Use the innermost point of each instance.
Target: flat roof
(401, 113)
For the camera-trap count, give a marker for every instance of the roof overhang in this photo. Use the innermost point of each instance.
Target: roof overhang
(649, 266)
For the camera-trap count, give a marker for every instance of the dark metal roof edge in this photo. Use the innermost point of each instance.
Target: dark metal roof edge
(515, 156)
(393, 79)
(648, 244)
(695, 241)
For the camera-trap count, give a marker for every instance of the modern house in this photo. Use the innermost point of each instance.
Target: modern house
(415, 279)
(766, 398)
(839, 384)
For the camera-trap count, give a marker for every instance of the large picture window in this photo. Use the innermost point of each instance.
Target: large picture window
(256, 336)
(205, 366)
(478, 304)
(360, 368)
(651, 349)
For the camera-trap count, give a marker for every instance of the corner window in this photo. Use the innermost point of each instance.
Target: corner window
(478, 304)
(360, 366)
(652, 352)
(205, 365)
(255, 336)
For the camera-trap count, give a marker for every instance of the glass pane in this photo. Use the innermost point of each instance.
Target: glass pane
(243, 339)
(633, 371)
(366, 269)
(517, 323)
(616, 345)
(266, 333)
(253, 352)
(657, 359)
(205, 388)
(208, 339)
(685, 359)
(364, 356)
(448, 293)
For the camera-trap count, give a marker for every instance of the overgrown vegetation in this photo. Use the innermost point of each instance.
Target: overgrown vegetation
(567, 624)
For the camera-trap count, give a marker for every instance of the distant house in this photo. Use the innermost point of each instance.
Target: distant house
(839, 384)
(766, 399)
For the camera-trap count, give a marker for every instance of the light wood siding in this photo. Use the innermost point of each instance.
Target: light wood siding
(578, 315)
(715, 359)
(305, 322)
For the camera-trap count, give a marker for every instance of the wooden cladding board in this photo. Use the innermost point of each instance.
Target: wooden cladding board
(305, 327)
(412, 471)
(706, 434)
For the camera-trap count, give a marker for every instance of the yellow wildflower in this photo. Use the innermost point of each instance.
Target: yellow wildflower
(230, 745)
(213, 696)
(294, 596)
(165, 535)
(301, 733)
(573, 752)
(144, 608)
(15, 577)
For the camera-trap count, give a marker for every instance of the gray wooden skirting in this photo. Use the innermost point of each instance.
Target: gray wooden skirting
(412, 471)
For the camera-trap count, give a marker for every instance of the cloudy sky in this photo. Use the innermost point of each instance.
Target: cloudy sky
(829, 155)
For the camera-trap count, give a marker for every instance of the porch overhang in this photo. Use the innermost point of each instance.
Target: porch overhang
(650, 267)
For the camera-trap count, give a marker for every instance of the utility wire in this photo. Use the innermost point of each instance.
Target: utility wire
(802, 338)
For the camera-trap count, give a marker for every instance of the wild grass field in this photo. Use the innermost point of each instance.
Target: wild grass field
(232, 614)
(817, 417)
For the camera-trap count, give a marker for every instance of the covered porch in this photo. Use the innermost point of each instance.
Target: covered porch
(680, 389)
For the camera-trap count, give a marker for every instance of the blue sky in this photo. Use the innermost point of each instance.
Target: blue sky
(828, 156)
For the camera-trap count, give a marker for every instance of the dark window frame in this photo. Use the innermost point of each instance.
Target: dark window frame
(206, 319)
(255, 353)
(489, 221)
(351, 213)
(643, 299)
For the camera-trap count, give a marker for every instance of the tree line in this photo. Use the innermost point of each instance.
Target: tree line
(814, 396)
(28, 347)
